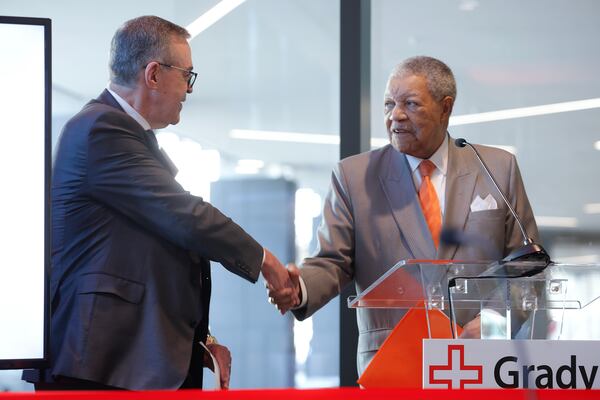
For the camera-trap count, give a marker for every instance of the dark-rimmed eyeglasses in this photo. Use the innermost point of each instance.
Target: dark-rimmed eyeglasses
(191, 75)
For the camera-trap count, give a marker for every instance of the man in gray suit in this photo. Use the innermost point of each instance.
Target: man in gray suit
(130, 280)
(373, 218)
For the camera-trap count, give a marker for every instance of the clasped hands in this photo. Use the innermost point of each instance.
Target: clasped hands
(283, 284)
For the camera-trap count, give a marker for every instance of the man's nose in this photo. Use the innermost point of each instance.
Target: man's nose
(397, 114)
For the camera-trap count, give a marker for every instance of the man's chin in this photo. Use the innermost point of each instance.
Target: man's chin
(399, 146)
(408, 150)
(175, 120)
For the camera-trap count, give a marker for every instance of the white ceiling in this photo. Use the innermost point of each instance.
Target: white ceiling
(274, 65)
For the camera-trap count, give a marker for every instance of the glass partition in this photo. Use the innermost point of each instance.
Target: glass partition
(258, 138)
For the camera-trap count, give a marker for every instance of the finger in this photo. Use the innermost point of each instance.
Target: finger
(225, 376)
(268, 285)
(224, 360)
(282, 310)
(293, 271)
(284, 301)
(289, 300)
(281, 293)
(285, 307)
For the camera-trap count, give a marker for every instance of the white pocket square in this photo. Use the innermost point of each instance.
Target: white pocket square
(479, 204)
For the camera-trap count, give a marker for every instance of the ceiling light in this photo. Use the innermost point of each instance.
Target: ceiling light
(597, 145)
(468, 5)
(296, 137)
(279, 136)
(591, 208)
(556, 222)
(522, 112)
(207, 19)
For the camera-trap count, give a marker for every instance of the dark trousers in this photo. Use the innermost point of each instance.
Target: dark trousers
(193, 379)
(66, 383)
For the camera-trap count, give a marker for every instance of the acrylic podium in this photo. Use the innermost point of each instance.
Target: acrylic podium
(559, 303)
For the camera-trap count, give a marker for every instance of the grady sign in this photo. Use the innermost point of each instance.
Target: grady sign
(511, 364)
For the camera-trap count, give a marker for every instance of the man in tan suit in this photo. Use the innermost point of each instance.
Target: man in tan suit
(372, 216)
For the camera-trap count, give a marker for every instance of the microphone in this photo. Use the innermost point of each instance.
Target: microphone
(529, 251)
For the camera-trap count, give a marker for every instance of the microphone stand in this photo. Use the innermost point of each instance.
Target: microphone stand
(529, 251)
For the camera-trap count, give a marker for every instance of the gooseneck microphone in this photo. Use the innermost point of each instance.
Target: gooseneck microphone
(529, 251)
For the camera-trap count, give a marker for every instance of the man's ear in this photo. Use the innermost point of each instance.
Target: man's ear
(151, 75)
(447, 104)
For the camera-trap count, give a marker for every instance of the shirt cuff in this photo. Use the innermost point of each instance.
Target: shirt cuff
(303, 294)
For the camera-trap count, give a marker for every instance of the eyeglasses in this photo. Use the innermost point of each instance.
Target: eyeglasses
(191, 75)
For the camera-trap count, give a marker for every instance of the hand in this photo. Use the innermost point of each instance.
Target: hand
(286, 298)
(223, 357)
(472, 329)
(278, 278)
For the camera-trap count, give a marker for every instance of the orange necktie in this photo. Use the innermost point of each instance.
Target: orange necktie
(430, 203)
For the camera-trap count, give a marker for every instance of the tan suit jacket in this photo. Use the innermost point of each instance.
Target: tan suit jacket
(372, 219)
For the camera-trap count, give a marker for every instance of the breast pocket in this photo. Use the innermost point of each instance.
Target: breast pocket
(487, 215)
(487, 230)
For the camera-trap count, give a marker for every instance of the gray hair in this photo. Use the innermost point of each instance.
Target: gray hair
(138, 42)
(440, 80)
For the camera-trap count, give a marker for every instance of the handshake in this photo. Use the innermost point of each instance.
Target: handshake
(283, 284)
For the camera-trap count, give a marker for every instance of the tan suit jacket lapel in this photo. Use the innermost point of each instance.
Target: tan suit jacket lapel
(399, 188)
(460, 184)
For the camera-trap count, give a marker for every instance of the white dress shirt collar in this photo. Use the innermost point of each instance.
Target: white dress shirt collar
(129, 110)
(439, 158)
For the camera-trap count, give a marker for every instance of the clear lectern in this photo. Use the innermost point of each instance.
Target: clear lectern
(553, 304)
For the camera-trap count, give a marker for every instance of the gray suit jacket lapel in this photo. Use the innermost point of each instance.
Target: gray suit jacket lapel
(460, 183)
(398, 186)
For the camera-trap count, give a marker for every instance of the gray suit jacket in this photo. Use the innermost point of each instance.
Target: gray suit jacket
(372, 219)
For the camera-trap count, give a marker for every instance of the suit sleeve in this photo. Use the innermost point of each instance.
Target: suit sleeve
(124, 175)
(520, 202)
(332, 268)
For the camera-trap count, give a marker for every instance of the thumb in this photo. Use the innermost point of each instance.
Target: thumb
(294, 273)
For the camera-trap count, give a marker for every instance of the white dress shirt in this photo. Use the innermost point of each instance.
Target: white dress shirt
(132, 112)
